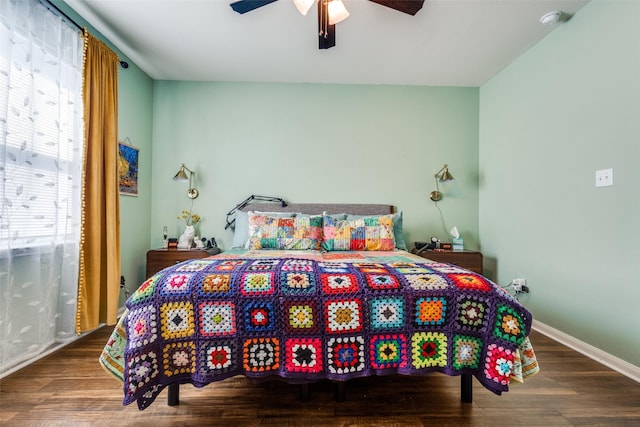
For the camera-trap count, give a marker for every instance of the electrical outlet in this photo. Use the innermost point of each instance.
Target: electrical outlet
(604, 177)
(520, 282)
(519, 285)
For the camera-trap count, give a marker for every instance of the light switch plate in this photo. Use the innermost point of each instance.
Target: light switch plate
(604, 177)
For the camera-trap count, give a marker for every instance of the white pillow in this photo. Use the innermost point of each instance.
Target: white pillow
(241, 230)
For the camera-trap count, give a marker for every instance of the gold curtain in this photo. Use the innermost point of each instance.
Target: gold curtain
(99, 278)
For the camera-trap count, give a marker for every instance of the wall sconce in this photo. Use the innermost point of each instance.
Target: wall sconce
(181, 176)
(442, 175)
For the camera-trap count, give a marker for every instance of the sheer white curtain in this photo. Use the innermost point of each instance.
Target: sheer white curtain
(41, 133)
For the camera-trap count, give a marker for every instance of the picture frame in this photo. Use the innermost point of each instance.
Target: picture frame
(128, 157)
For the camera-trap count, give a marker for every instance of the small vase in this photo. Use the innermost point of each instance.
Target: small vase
(186, 239)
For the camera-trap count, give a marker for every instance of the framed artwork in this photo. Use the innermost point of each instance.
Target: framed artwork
(128, 168)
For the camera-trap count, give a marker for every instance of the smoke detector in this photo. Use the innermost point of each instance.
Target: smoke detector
(551, 18)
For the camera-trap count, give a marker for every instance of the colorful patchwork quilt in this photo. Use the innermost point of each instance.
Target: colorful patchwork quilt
(305, 316)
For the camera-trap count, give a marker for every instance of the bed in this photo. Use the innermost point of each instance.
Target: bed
(316, 292)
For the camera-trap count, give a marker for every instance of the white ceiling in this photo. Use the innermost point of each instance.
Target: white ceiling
(447, 43)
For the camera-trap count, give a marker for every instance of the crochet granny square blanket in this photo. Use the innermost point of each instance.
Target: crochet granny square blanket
(312, 316)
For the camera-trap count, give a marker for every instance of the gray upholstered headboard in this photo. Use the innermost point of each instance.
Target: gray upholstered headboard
(318, 208)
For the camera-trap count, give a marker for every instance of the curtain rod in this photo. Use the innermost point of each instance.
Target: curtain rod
(56, 10)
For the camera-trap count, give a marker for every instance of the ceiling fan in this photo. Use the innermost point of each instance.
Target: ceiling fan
(330, 12)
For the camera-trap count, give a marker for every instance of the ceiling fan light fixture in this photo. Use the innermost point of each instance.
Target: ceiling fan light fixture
(303, 6)
(337, 12)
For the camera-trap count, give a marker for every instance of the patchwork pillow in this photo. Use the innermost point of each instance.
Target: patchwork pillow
(373, 233)
(272, 232)
(241, 230)
(336, 216)
(398, 234)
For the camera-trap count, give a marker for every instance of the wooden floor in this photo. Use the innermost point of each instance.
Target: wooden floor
(70, 388)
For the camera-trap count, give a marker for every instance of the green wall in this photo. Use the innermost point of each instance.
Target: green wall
(135, 95)
(566, 108)
(315, 143)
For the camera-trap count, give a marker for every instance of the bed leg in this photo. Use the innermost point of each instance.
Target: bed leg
(173, 398)
(304, 392)
(339, 396)
(466, 388)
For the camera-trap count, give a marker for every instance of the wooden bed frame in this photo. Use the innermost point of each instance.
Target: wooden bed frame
(466, 380)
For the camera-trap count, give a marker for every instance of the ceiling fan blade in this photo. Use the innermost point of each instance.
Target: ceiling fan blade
(407, 6)
(244, 6)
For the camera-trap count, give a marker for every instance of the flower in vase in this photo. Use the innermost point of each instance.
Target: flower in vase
(189, 217)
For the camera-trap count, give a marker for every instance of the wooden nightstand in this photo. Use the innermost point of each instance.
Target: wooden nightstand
(470, 260)
(157, 259)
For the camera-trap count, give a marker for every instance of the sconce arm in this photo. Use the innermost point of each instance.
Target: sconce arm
(245, 202)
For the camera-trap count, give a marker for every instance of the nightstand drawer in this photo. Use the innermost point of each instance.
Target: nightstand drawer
(157, 259)
(470, 260)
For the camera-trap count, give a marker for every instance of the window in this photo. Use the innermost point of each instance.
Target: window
(41, 152)
(41, 134)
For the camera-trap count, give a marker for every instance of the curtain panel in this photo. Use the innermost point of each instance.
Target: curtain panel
(41, 145)
(99, 281)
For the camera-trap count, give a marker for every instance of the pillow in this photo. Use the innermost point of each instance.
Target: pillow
(398, 233)
(372, 233)
(273, 232)
(336, 216)
(241, 232)
(397, 229)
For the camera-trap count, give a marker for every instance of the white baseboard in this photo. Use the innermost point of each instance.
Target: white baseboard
(625, 368)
